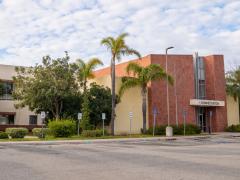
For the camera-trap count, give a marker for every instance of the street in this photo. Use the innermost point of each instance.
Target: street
(193, 158)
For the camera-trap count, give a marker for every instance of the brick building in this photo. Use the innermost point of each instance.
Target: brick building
(198, 91)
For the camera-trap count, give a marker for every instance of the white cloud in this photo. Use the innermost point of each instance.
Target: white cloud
(30, 29)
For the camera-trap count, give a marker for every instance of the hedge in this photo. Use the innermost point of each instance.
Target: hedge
(177, 130)
(39, 132)
(3, 135)
(94, 133)
(233, 128)
(17, 132)
(62, 128)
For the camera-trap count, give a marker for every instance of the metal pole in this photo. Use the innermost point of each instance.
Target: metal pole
(130, 118)
(103, 126)
(166, 55)
(167, 90)
(184, 125)
(210, 122)
(175, 92)
(42, 126)
(78, 126)
(154, 123)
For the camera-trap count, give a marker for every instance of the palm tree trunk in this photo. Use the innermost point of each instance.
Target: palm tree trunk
(113, 95)
(144, 109)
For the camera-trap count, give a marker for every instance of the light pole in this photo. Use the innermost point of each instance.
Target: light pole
(175, 93)
(167, 82)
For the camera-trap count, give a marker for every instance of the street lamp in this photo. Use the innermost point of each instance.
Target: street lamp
(169, 130)
(171, 47)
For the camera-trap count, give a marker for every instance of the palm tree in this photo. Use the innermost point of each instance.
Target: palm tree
(140, 77)
(233, 84)
(117, 48)
(85, 72)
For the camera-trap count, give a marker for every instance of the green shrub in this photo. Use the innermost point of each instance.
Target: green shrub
(39, 132)
(62, 128)
(177, 130)
(3, 135)
(94, 133)
(190, 129)
(17, 132)
(233, 128)
(159, 130)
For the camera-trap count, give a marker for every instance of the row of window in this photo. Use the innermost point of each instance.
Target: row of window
(6, 89)
(9, 119)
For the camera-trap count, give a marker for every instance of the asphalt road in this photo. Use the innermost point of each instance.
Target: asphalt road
(173, 160)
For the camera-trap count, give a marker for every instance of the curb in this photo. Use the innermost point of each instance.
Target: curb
(94, 141)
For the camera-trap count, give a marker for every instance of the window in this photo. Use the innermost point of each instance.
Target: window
(6, 119)
(6, 89)
(33, 119)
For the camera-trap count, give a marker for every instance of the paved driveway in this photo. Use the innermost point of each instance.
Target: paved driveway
(217, 158)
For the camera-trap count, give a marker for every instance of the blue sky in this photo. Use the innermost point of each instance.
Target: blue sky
(31, 29)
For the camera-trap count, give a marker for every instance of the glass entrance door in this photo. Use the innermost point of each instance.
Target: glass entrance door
(202, 122)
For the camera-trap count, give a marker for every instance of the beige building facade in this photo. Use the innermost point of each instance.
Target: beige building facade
(9, 115)
(131, 102)
(232, 111)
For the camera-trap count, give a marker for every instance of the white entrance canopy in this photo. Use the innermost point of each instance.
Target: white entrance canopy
(206, 103)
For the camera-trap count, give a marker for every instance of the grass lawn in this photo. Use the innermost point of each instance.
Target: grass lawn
(51, 138)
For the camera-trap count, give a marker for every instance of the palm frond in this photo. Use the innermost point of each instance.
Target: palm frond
(134, 68)
(156, 72)
(128, 82)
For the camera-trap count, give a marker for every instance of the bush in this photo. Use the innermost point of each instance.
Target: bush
(17, 132)
(3, 135)
(159, 130)
(94, 133)
(177, 130)
(233, 128)
(190, 129)
(62, 128)
(39, 133)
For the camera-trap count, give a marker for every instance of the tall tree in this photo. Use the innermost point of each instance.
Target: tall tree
(233, 84)
(85, 72)
(118, 48)
(140, 77)
(44, 87)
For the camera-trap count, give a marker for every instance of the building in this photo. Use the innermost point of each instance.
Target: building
(9, 115)
(198, 92)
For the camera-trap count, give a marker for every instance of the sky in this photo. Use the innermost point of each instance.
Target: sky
(31, 29)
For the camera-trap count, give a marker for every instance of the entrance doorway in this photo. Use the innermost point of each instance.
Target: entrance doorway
(202, 120)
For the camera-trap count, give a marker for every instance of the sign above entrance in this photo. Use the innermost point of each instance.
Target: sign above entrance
(206, 103)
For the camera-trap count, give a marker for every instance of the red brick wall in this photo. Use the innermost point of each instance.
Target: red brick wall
(215, 89)
(184, 90)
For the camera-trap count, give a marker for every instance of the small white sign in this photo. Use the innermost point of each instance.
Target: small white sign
(43, 115)
(206, 103)
(103, 115)
(130, 114)
(79, 116)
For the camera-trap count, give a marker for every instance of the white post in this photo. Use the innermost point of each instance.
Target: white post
(43, 116)
(184, 121)
(130, 118)
(103, 119)
(79, 118)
